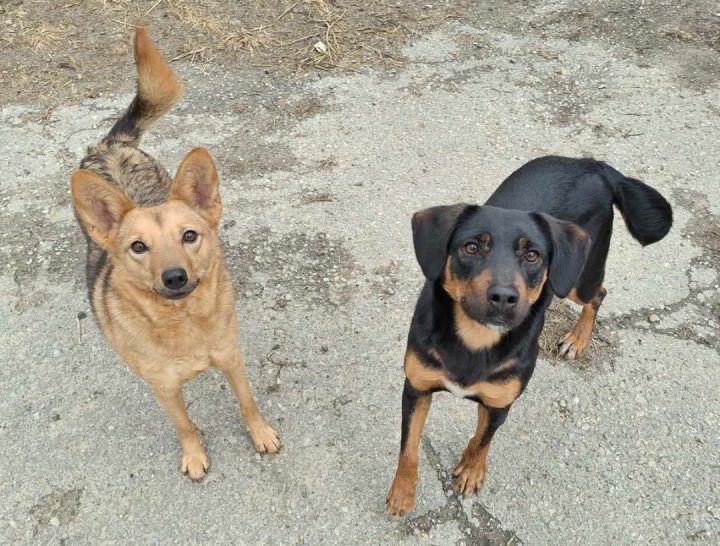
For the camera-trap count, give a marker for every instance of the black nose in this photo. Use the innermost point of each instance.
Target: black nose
(503, 298)
(174, 278)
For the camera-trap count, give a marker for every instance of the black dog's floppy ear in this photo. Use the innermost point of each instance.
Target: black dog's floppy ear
(432, 229)
(570, 249)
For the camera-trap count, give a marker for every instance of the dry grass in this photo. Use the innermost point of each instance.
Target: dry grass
(58, 49)
(559, 320)
(293, 35)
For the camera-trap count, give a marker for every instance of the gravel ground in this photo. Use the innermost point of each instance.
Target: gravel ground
(320, 174)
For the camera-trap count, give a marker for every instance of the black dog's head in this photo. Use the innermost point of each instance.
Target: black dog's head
(495, 262)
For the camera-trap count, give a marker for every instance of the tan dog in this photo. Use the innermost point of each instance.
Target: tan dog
(156, 274)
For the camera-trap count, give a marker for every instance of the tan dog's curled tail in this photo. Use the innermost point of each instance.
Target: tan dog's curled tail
(158, 90)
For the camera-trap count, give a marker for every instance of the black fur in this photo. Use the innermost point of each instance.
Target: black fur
(570, 249)
(432, 229)
(434, 328)
(571, 204)
(647, 215)
(583, 191)
(559, 208)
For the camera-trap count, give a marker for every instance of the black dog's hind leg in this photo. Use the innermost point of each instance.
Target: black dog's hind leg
(576, 341)
(589, 293)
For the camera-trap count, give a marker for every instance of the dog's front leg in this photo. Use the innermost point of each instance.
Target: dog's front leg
(195, 461)
(415, 407)
(264, 437)
(470, 473)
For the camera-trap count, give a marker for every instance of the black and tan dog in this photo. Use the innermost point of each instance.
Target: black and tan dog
(491, 272)
(158, 283)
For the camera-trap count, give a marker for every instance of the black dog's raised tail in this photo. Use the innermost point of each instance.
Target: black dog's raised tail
(158, 90)
(647, 214)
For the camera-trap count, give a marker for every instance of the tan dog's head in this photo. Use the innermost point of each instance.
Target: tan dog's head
(166, 248)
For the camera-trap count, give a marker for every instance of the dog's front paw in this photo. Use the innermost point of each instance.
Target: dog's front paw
(573, 345)
(264, 438)
(401, 497)
(469, 475)
(195, 463)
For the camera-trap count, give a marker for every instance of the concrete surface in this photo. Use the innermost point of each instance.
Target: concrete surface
(622, 448)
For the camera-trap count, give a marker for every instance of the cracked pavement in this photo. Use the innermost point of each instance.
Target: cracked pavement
(622, 447)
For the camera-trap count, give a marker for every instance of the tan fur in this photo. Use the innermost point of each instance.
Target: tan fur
(122, 196)
(156, 79)
(496, 395)
(158, 88)
(421, 377)
(451, 285)
(573, 297)
(473, 334)
(531, 294)
(576, 342)
(476, 336)
(470, 472)
(401, 497)
(503, 366)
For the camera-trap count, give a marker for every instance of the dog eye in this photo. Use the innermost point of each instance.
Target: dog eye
(471, 248)
(138, 247)
(189, 236)
(531, 256)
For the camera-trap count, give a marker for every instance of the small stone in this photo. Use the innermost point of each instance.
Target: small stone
(54, 521)
(653, 318)
(320, 47)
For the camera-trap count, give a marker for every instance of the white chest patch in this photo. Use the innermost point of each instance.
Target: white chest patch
(457, 390)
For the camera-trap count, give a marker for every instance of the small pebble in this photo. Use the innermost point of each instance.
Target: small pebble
(654, 318)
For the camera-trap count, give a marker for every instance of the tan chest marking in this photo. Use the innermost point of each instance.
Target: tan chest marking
(494, 395)
(420, 376)
(497, 395)
(457, 390)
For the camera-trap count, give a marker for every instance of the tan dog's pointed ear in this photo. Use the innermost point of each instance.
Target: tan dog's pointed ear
(197, 185)
(99, 206)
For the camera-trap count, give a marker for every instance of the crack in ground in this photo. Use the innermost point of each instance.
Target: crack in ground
(632, 321)
(488, 532)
